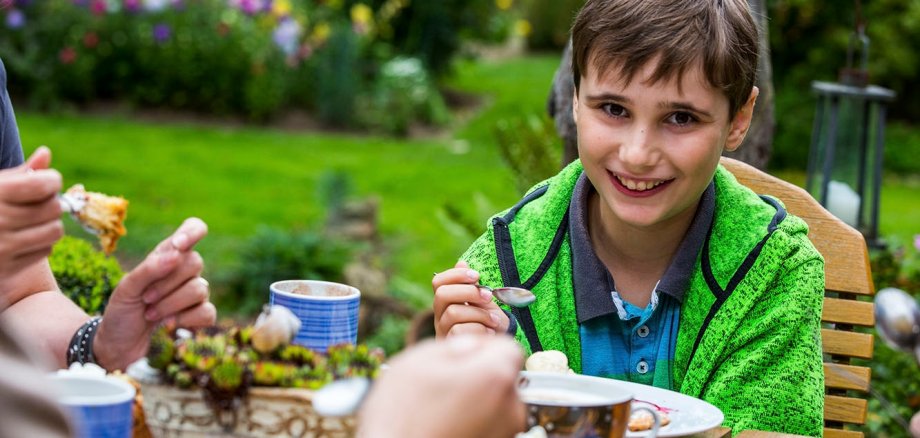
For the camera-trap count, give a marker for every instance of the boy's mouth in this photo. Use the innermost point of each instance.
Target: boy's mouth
(638, 187)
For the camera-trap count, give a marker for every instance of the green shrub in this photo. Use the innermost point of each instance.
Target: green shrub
(272, 255)
(85, 275)
(403, 93)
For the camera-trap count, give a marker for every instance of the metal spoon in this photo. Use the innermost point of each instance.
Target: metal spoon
(512, 296)
(342, 397)
(897, 318)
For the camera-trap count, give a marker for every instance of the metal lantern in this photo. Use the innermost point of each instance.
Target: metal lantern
(848, 142)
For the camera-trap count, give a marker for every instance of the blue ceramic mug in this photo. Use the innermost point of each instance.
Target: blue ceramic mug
(328, 312)
(100, 405)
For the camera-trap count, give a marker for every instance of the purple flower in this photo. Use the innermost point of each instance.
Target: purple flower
(15, 19)
(251, 7)
(287, 36)
(917, 242)
(132, 5)
(161, 33)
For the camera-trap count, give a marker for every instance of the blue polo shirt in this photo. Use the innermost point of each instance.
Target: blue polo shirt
(620, 340)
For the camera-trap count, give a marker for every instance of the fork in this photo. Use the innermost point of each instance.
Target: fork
(73, 205)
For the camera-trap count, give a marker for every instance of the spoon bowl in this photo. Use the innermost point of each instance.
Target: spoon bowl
(897, 318)
(512, 296)
(341, 398)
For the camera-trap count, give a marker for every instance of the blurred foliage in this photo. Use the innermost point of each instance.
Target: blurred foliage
(248, 58)
(434, 30)
(894, 398)
(530, 147)
(808, 41)
(84, 274)
(551, 20)
(272, 255)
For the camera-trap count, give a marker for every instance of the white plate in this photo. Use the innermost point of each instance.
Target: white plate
(688, 415)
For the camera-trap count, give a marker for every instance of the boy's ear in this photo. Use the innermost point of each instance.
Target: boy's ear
(741, 122)
(575, 105)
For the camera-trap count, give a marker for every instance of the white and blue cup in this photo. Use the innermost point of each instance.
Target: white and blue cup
(99, 405)
(328, 312)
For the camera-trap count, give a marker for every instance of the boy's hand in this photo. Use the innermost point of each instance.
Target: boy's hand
(30, 215)
(462, 308)
(165, 288)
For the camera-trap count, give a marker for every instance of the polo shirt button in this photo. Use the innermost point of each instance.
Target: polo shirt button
(642, 367)
(643, 331)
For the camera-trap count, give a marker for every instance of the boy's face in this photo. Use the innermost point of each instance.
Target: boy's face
(650, 150)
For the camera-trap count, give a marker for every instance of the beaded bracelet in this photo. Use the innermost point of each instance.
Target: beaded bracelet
(81, 345)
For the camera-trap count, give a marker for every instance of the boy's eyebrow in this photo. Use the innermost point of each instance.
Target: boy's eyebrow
(609, 97)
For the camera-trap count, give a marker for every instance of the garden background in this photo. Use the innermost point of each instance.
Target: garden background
(369, 140)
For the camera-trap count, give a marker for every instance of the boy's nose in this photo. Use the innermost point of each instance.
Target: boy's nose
(640, 150)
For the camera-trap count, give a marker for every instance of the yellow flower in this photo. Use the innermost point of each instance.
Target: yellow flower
(321, 32)
(504, 4)
(281, 8)
(522, 27)
(361, 14)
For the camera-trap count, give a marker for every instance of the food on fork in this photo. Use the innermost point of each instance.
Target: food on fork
(103, 214)
(553, 361)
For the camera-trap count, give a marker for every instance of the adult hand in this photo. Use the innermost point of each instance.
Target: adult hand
(30, 215)
(462, 308)
(464, 386)
(165, 288)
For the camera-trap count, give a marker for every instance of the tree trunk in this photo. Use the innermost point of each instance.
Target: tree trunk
(559, 106)
(757, 146)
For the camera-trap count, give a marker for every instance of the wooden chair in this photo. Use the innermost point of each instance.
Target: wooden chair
(847, 276)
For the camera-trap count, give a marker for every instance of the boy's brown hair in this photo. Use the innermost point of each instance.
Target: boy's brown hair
(720, 35)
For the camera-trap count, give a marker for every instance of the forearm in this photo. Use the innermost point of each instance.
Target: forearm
(39, 314)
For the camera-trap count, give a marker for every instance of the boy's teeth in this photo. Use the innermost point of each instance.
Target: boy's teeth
(638, 185)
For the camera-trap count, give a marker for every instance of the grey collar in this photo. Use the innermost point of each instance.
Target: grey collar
(591, 280)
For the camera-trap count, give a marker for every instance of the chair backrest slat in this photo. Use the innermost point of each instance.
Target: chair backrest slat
(847, 276)
(839, 376)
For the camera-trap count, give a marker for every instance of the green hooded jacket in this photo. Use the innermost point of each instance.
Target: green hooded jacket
(749, 339)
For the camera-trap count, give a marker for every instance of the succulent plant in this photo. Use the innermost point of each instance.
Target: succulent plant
(203, 352)
(224, 362)
(347, 360)
(162, 349)
(300, 355)
(269, 373)
(227, 375)
(310, 378)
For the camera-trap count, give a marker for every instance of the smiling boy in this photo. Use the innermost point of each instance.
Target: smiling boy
(650, 262)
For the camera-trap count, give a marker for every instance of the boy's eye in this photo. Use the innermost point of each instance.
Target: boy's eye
(614, 110)
(681, 118)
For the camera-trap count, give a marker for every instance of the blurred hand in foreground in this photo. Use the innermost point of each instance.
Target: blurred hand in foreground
(465, 386)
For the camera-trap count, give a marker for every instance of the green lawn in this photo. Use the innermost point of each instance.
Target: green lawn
(237, 178)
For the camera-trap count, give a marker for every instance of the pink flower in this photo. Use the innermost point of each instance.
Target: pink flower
(67, 55)
(90, 40)
(917, 242)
